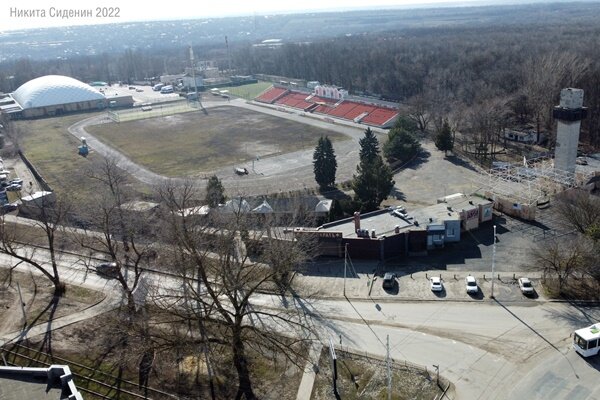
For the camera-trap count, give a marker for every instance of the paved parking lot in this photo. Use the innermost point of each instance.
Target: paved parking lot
(412, 283)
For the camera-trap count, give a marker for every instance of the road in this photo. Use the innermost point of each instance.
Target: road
(489, 350)
(289, 171)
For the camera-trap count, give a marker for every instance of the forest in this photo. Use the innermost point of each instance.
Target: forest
(482, 68)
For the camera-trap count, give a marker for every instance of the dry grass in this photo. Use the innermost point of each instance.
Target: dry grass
(194, 143)
(363, 378)
(53, 151)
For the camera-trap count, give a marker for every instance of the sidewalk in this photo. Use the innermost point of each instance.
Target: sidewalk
(310, 373)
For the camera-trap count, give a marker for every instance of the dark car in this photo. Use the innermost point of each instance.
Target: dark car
(9, 207)
(108, 269)
(389, 280)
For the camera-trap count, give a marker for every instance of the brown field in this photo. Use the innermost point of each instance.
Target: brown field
(191, 143)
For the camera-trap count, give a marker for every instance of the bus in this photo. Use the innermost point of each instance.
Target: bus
(586, 340)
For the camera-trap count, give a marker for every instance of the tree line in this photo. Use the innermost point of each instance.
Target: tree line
(516, 72)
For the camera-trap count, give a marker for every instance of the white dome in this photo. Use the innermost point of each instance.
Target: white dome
(53, 90)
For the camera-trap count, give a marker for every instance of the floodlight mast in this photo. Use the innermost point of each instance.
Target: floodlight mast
(194, 77)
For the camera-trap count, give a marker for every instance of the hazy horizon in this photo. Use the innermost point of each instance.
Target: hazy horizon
(178, 10)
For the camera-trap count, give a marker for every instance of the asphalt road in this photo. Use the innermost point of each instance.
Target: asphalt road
(489, 350)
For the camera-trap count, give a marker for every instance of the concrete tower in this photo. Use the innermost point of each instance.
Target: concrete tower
(569, 114)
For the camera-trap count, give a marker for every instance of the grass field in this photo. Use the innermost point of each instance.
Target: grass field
(194, 143)
(53, 151)
(248, 92)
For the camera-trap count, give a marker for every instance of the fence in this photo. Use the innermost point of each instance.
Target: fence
(41, 181)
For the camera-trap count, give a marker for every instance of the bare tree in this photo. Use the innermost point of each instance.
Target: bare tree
(562, 259)
(419, 111)
(543, 78)
(580, 210)
(486, 123)
(220, 281)
(115, 229)
(16, 239)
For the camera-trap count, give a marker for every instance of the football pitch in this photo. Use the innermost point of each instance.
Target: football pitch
(195, 143)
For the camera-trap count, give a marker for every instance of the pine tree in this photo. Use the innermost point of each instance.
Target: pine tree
(324, 163)
(373, 179)
(369, 146)
(215, 193)
(443, 140)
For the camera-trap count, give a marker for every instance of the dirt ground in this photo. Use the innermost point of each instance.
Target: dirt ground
(366, 378)
(188, 144)
(37, 292)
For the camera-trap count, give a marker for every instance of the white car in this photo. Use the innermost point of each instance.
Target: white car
(471, 284)
(525, 286)
(436, 284)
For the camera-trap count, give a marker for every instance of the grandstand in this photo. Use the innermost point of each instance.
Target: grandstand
(351, 110)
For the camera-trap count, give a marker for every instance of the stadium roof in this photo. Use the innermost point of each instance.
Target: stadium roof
(53, 90)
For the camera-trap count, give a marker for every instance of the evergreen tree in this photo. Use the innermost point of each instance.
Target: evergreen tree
(324, 163)
(369, 146)
(373, 179)
(215, 193)
(443, 140)
(402, 145)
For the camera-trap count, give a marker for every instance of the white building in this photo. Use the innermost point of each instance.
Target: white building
(331, 92)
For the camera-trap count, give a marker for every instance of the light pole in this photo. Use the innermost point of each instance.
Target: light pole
(437, 376)
(493, 261)
(345, 266)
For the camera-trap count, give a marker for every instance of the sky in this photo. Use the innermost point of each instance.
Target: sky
(42, 13)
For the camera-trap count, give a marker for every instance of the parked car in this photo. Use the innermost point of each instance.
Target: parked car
(436, 284)
(581, 161)
(108, 269)
(139, 90)
(9, 207)
(13, 187)
(17, 181)
(471, 284)
(389, 280)
(525, 286)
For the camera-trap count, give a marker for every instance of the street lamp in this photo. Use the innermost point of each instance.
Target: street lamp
(493, 261)
(437, 377)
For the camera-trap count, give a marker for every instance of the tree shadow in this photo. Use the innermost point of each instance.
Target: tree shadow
(397, 194)
(460, 162)
(46, 343)
(334, 193)
(420, 159)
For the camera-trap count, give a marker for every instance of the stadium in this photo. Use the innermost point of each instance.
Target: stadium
(331, 101)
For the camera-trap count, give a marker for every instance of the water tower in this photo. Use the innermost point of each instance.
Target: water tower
(569, 114)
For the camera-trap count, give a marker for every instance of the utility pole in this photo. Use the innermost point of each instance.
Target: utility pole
(389, 369)
(493, 261)
(345, 266)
